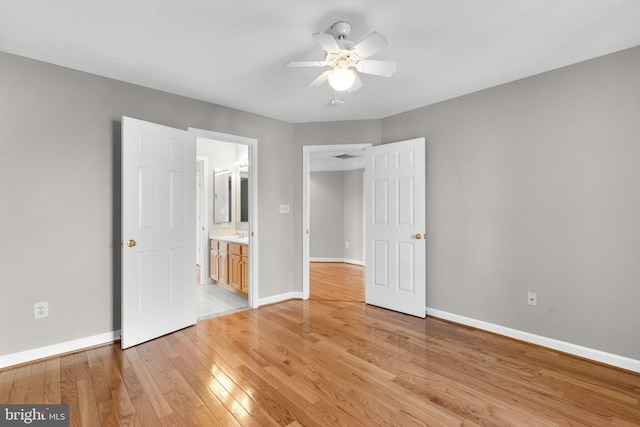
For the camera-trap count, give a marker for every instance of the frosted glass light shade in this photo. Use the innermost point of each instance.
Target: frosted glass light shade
(342, 79)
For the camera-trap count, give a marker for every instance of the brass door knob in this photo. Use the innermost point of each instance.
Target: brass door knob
(131, 243)
(418, 236)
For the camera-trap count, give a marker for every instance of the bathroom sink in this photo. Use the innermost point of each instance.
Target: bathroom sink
(233, 239)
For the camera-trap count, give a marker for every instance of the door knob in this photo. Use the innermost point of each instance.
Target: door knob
(418, 236)
(131, 243)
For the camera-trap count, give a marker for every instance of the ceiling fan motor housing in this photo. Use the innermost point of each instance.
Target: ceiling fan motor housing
(341, 29)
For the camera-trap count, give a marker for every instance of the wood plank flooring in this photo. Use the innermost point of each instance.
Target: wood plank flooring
(328, 363)
(334, 281)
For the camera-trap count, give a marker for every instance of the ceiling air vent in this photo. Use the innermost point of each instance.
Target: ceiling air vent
(345, 156)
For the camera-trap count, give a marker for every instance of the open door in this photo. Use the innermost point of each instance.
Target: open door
(158, 230)
(395, 227)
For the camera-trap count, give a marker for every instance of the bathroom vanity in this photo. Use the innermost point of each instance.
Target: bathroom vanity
(229, 262)
(239, 267)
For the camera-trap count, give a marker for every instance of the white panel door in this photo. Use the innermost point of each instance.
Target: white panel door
(158, 230)
(395, 251)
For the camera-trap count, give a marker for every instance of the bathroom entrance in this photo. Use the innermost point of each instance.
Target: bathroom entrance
(158, 205)
(223, 282)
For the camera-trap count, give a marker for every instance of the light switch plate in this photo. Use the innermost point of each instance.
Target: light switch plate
(284, 209)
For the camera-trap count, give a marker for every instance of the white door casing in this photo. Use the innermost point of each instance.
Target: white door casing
(202, 212)
(199, 224)
(254, 285)
(395, 251)
(307, 151)
(158, 230)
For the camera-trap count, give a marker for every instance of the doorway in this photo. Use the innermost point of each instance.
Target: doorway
(227, 165)
(158, 223)
(333, 259)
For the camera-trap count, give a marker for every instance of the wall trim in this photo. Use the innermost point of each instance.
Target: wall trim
(345, 260)
(623, 362)
(281, 297)
(565, 347)
(59, 349)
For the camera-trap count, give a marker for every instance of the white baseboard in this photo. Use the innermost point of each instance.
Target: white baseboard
(345, 260)
(57, 349)
(326, 259)
(279, 298)
(565, 347)
(576, 350)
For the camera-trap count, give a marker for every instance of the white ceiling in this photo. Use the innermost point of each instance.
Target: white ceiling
(233, 53)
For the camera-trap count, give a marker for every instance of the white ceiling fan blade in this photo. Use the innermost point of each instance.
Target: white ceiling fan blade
(377, 68)
(307, 64)
(357, 84)
(320, 79)
(370, 45)
(327, 42)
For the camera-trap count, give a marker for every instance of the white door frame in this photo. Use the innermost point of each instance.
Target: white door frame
(252, 144)
(306, 201)
(203, 244)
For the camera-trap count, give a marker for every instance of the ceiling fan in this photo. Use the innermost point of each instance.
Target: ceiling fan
(345, 58)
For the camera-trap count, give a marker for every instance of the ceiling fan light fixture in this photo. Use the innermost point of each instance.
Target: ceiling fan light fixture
(342, 79)
(347, 60)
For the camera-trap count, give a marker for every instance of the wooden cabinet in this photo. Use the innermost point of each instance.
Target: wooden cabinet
(214, 265)
(244, 282)
(229, 264)
(219, 261)
(235, 264)
(239, 267)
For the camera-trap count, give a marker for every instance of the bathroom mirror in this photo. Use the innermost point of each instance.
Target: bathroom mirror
(222, 196)
(244, 196)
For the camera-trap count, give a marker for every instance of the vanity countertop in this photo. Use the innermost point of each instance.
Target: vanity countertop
(232, 239)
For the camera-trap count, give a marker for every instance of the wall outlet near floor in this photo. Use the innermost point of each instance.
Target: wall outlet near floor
(532, 298)
(346, 245)
(40, 310)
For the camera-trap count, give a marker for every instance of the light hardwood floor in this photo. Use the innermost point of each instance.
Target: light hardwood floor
(334, 281)
(326, 362)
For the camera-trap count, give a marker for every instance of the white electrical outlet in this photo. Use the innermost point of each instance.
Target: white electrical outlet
(532, 298)
(284, 209)
(346, 245)
(40, 310)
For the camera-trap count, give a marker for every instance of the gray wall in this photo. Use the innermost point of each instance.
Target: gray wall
(532, 185)
(354, 214)
(326, 222)
(535, 186)
(336, 215)
(59, 180)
